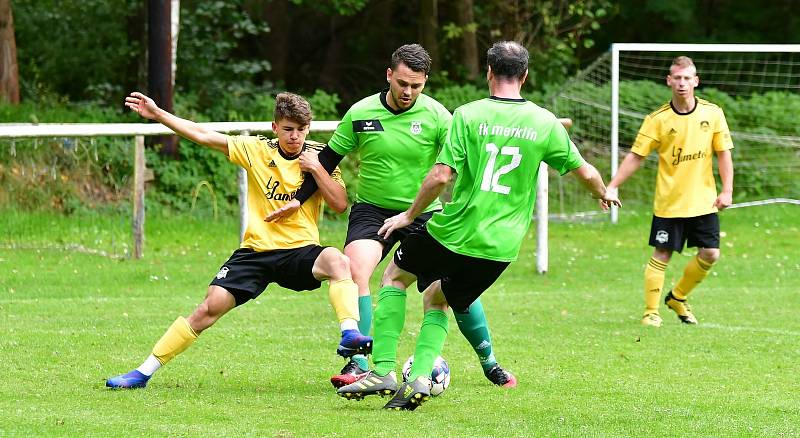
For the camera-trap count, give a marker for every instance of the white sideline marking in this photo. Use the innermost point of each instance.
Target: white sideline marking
(734, 328)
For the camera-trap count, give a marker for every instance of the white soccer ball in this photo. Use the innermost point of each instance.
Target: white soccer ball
(440, 375)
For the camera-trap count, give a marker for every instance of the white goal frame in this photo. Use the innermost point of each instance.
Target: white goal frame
(616, 48)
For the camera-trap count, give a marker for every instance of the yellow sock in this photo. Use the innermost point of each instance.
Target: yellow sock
(343, 295)
(653, 283)
(178, 337)
(696, 270)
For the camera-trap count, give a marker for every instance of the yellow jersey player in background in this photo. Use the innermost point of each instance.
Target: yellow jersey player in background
(686, 133)
(286, 252)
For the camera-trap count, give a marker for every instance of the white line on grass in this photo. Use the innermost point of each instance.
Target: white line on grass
(734, 328)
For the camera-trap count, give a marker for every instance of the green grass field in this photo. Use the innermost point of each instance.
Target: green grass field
(70, 319)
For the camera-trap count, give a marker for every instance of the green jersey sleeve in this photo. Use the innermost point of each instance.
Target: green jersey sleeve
(453, 152)
(562, 154)
(344, 139)
(445, 120)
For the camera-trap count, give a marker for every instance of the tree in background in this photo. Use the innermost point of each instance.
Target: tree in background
(159, 65)
(9, 75)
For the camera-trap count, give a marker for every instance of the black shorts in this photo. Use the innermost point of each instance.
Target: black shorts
(247, 272)
(464, 278)
(366, 219)
(672, 232)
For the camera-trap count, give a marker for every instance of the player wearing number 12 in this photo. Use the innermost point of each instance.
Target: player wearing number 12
(494, 146)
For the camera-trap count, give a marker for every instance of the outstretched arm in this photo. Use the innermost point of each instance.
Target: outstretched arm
(147, 108)
(725, 164)
(590, 178)
(432, 187)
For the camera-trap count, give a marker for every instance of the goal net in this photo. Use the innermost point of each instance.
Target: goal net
(758, 87)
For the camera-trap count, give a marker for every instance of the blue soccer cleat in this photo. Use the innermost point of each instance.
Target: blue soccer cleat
(131, 380)
(353, 342)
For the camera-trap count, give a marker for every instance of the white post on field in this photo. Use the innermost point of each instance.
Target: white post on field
(542, 188)
(614, 120)
(242, 182)
(137, 222)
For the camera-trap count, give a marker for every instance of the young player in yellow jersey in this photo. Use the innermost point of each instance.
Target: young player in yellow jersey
(286, 252)
(686, 133)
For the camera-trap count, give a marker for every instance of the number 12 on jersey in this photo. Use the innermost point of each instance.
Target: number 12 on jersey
(490, 181)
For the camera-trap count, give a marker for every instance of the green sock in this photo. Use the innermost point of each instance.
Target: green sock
(390, 315)
(364, 325)
(429, 343)
(475, 328)
(365, 314)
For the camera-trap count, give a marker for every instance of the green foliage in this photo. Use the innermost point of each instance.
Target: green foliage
(74, 48)
(209, 63)
(554, 32)
(176, 180)
(454, 96)
(332, 7)
(61, 111)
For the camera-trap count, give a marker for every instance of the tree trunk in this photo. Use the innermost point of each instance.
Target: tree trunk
(175, 26)
(9, 73)
(137, 65)
(276, 47)
(159, 68)
(469, 41)
(428, 27)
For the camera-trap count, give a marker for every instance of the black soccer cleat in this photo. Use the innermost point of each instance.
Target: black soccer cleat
(410, 395)
(370, 384)
(500, 377)
(681, 308)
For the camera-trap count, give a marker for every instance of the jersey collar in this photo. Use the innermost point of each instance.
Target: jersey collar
(506, 99)
(289, 157)
(686, 113)
(389, 108)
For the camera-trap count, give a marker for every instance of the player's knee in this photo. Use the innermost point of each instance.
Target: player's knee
(709, 255)
(662, 255)
(434, 299)
(395, 277)
(339, 265)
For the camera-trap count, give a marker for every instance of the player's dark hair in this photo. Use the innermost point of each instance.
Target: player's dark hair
(292, 107)
(413, 56)
(508, 59)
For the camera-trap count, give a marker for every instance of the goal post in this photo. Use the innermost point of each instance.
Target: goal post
(617, 48)
(757, 85)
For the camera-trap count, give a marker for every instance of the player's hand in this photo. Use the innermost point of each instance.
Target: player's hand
(309, 161)
(723, 201)
(611, 197)
(287, 210)
(394, 223)
(142, 105)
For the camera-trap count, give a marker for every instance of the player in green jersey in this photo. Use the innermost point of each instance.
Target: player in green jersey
(494, 146)
(397, 134)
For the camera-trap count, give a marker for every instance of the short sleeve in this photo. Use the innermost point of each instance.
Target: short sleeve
(344, 138)
(722, 135)
(647, 138)
(454, 150)
(444, 122)
(240, 150)
(562, 154)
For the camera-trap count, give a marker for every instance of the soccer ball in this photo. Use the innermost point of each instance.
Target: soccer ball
(440, 375)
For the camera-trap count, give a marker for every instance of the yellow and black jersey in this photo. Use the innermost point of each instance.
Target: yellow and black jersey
(686, 143)
(272, 180)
